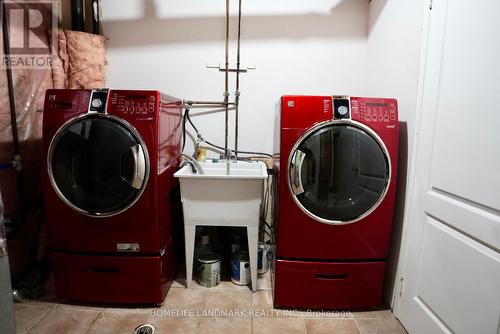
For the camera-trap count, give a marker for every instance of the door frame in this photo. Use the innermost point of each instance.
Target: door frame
(411, 190)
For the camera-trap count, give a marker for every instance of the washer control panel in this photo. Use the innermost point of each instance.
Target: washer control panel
(139, 105)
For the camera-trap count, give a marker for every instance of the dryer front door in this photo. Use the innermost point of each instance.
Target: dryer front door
(332, 206)
(339, 172)
(98, 165)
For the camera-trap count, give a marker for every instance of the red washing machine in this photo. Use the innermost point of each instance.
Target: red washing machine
(336, 166)
(110, 192)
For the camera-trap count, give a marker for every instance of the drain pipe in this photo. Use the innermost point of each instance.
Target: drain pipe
(17, 159)
(77, 15)
(226, 88)
(237, 93)
(10, 85)
(96, 21)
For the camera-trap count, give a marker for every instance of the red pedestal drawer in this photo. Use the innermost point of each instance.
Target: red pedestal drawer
(113, 279)
(328, 285)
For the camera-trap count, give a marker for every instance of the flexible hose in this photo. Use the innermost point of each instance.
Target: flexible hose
(188, 118)
(184, 117)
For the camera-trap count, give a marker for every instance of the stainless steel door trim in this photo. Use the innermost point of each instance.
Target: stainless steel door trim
(133, 131)
(139, 166)
(317, 127)
(295, 172)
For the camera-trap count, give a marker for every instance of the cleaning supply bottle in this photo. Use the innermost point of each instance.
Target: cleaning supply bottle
(204, 245)
(235, 243)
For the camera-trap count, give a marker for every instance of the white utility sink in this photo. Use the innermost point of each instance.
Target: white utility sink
(237, 170)
(226, 194)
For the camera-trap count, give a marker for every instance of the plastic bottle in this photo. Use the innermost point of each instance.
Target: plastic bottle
(235, 243)
(203, 246)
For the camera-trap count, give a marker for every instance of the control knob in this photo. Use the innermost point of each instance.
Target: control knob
(342, 110)
(97, 103)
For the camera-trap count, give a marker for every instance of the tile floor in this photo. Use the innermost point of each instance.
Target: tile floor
(226, 308)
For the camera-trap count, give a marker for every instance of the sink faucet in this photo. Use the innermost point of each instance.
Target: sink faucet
(195, 165)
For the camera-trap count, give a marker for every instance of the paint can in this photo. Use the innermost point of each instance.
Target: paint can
(240, 268)
(209, 269)
(262, 262)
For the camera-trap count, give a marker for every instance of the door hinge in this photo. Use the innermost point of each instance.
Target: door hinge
(401, 282)
(430, 4)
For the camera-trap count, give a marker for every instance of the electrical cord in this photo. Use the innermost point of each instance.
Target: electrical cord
(268, 230)
(266, 227)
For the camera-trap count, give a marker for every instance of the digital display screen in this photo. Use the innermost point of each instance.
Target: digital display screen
(63, 105)
(376, 104)
(136, 97)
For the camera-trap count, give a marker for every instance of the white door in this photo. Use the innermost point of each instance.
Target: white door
(450, 265)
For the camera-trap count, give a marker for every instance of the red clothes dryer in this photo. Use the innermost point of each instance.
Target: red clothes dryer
(335, 168)
(109, 191)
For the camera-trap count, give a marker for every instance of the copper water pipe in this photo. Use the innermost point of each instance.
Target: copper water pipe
(226, 86)
(215, 103)
(237, 93)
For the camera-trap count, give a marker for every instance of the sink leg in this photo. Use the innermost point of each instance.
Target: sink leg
(189, 235)
(253, 241)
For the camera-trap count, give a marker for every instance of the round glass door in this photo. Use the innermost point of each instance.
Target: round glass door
(339, 172)
(98, 165)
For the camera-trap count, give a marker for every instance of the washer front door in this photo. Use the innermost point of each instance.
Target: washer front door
(98, 164)
(339, 172)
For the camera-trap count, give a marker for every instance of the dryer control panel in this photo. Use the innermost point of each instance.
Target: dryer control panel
(376, 112)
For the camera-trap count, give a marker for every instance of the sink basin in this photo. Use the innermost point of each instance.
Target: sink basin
(222, 170)
(225, 194)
